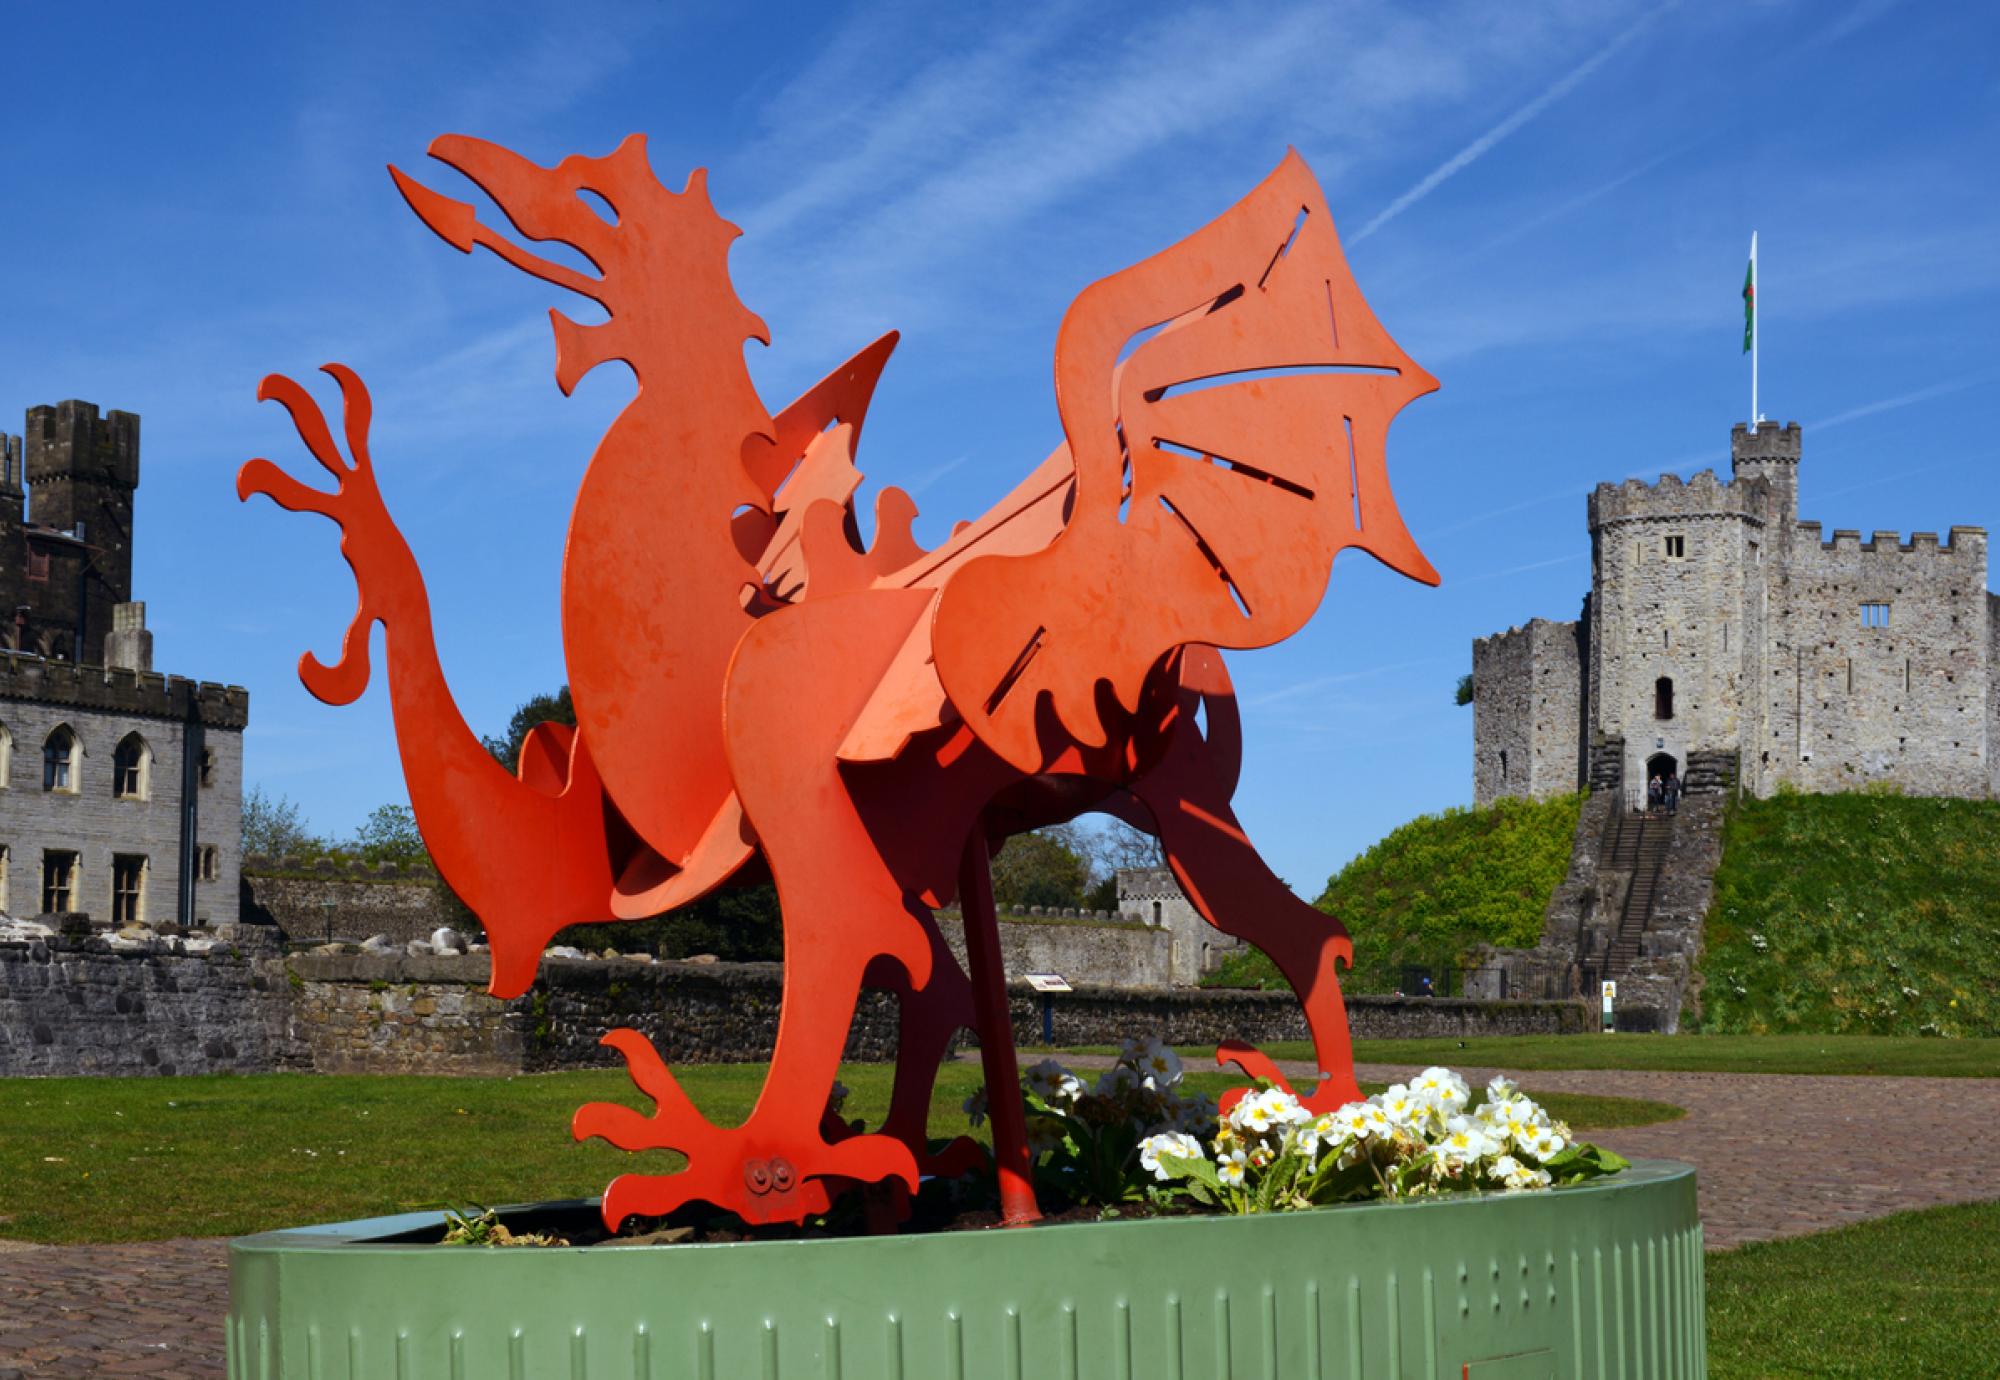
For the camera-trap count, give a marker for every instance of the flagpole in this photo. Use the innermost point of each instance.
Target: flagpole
(1755, 341)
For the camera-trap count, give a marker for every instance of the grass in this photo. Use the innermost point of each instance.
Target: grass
(1856, 913)
(1435, 888)
(138, 1159)
(1897, 1056)
(1916, 1294)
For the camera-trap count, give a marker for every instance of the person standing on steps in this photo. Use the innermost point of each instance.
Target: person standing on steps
(1670, 791)
(1655, 793)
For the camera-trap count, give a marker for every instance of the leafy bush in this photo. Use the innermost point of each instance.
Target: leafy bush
(1855, 914)
(1436, 887)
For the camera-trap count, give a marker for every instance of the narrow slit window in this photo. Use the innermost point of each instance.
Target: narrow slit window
(1663, 698)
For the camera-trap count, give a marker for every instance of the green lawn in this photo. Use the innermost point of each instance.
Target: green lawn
(1907, 1056)
(1917, 1294)
(135, 1159)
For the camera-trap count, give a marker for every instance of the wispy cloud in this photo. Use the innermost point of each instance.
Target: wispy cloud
(1317, 683)
(1478, 148)
(1518, 569)
(1936, 390)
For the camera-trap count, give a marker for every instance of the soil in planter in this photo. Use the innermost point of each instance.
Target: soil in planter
(940, 1205)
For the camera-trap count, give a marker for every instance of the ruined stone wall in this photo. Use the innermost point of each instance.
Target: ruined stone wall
(1527, 711)
(1904, 702)
(312, 900)
(1094, 948)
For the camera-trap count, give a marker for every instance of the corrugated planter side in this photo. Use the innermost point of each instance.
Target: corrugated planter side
(1598, 1280)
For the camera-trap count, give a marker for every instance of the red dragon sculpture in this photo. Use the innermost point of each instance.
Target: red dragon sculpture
(754, 689)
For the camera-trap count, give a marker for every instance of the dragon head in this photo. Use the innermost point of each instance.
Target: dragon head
(654, 247)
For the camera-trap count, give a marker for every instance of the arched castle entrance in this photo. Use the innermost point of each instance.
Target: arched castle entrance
(1660, 764)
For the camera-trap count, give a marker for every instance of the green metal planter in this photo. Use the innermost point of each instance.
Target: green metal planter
(1587, 1283)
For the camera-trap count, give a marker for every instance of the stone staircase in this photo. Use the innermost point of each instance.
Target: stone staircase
(1637, 845)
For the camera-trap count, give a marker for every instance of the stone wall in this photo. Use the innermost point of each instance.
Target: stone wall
(310, 900)
(1094, 948)
(1194, 948)
(72, 1005)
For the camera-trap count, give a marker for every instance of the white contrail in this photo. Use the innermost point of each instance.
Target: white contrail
(1473, 151)
(1936, 390)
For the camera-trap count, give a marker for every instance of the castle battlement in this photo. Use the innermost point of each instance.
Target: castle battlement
(1966, 541)
(1533, 628)
(1672, 498)
(119, 690)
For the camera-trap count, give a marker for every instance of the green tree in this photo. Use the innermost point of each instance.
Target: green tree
(389, 835)
(1042, 868)
(272, 825)
(1464, 693)
(555, 708)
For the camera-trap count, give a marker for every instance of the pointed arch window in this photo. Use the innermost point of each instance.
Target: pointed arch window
(132, 769)
(60, 754)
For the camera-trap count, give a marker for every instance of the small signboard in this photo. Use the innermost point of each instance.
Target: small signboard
(1047, 982)
(1610, 995)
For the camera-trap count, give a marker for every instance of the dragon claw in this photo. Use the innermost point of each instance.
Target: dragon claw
(375, 550)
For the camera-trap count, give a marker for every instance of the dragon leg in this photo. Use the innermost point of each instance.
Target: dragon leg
(1221, 872)
(928, 1018)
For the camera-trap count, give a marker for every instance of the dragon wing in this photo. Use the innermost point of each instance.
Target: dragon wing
(1219, 469)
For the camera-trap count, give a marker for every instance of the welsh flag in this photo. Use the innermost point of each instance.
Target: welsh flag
(1750, 299)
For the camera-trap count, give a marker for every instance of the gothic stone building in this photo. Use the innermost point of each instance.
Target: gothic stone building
(1724, 638)
(121, 789)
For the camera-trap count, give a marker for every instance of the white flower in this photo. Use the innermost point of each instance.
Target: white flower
(1355, 1120)
(1405, 1110)
(1445, 1088)
(1172, 1143)
(1054, 1084)
(1113, 1081)
(1500, 1089)
(1159, 1067)
(975, 1107)
(1543, 1143)
(1229, 1168)
(1465, 1143)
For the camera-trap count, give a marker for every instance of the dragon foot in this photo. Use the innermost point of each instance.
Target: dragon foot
(1336, 1089)
(776, 1167)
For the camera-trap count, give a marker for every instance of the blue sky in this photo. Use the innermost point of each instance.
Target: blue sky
(1549, 205)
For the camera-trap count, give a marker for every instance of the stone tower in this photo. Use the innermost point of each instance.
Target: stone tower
(1724, 639)
(82, 470)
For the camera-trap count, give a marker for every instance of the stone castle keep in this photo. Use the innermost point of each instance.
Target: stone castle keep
(1723, 637)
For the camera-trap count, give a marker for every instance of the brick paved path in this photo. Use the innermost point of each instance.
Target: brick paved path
(1777, 1155)
(154, 1309)
(1782, 1154)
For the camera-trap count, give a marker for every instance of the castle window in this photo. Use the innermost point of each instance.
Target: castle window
(6, 762)
(1676, 547)
(6, 855)
(208, 766)
(59, 766)
(1663, 698)
(1157, 920)
(58, 881)
(1874, 615)
(128, 889)
(132, 769)
(210, 865)
(1503, 764)
(38, 566)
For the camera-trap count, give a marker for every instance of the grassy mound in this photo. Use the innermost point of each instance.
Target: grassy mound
(1867, 913)
(1437, 886)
